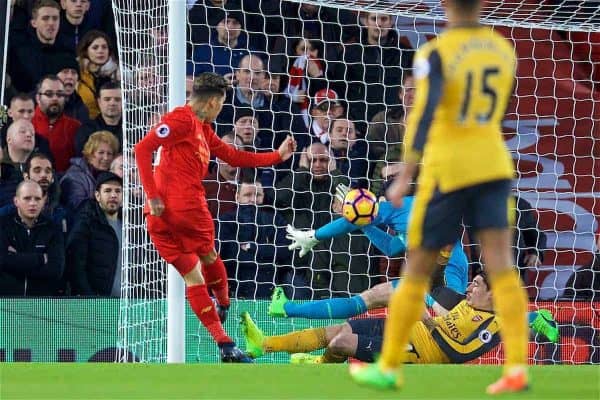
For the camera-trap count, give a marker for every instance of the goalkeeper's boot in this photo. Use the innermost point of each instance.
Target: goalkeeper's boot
(278, 300)
(545, 324)
(514, 381)
(253, 336)
(230, 353)
(305, 358)
(371, 375)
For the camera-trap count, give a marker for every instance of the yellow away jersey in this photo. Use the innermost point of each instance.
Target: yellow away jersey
(462, 335)
(464, 81)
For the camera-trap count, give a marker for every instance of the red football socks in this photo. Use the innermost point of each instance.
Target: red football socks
(204, 308)
(215, 276)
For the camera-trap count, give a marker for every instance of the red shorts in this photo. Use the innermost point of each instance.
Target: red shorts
(181, 236)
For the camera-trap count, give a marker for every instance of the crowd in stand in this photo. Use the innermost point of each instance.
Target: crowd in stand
(338, 81)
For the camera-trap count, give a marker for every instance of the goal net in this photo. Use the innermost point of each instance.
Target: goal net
(288, 59)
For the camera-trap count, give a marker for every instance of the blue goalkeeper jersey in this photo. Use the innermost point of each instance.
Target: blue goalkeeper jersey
(456, 272)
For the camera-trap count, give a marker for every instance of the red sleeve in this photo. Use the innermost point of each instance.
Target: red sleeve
(238, 158)
(172, 128)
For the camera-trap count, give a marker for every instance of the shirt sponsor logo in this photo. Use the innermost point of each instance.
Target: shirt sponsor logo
(163, 131)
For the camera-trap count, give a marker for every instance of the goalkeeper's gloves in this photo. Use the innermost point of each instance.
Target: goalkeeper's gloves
(341, 191)
(303, 240)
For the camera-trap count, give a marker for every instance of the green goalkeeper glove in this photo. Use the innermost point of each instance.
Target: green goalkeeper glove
(303, 240)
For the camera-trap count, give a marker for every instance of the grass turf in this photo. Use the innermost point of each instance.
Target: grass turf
(269, 381)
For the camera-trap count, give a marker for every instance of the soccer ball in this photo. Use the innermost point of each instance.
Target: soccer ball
(360, 207)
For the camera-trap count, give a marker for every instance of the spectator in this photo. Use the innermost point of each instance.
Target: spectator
(79, 182)
(67, 70)
(50, 121)
(227, 46)
(38, 168)
(245, 126)
(349, 150)
(203, 16)
(20, 144)
(306, 197)
(373, 68)
(326, 106)
(273, 120)
(32, 252)
(22, 107)
(110, 118)
(529, 240)
(584, 283)
(221, 183)
(32, 54)
(94, 245)
(332, 25)
(97, 65)
(116, 167)
(385, 133)
(306, 74)
(73, 23)
(253, 243)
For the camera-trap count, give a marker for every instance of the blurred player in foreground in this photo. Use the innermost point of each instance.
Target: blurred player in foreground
(464, 80)
(179, 222)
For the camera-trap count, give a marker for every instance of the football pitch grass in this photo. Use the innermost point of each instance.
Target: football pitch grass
(276, 381)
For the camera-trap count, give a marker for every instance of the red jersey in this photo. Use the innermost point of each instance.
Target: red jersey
(60, 136)
(187, 145)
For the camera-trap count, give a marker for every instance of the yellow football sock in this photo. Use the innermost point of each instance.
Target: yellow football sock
(329, 357)
(297, 342)
(404, 309)
(510, 302)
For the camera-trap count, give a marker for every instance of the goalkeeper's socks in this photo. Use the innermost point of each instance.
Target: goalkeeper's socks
(328, 308)
(215, 275)
(204, 309)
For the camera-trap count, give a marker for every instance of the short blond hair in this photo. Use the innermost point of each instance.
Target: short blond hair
(96, 139)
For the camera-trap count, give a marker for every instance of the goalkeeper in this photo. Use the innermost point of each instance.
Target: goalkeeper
(452, 260)
(465, 328)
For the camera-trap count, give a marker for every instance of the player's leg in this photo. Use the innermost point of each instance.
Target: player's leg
(434, 223)
(215, 274)
(189, 267)
(306, 340)
(491, 216)
(333, 308)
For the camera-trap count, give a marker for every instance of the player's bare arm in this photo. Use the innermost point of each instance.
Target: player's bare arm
(287, 148)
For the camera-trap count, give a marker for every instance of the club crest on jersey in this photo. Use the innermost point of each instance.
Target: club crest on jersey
(477, 318)
(485, 336)
(163, 131)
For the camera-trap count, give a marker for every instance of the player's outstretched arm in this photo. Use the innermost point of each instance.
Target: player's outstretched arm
(386, 243)
(248, 159)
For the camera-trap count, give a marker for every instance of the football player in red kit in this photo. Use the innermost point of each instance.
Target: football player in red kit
(177, 216)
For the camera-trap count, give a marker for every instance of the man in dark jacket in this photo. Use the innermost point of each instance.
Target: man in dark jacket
(253, 243)
(110, 119)
(373, 68)
(32, 54)
(38, 168)
(94, 243)
(32, 254)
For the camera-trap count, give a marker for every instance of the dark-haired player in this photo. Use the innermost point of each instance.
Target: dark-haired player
(178, 220)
